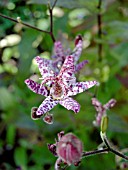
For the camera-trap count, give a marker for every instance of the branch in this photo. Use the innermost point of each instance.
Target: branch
(54, 4)
(23, 23)
(51, 21)
(110, 148)
(18, 20)
(99, 22)
(95, 152)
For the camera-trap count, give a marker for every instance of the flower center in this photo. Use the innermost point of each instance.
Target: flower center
(56, 91)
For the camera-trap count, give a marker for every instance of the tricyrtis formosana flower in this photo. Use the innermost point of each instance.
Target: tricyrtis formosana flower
(68, 148)
(101, 109)
(60, 55)
(58, 87)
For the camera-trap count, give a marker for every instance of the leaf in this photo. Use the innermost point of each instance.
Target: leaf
(10, 136)
(117, 124)
(27, 53)
(6, 99)
(117, 31)
(120, 52)
(20, 157)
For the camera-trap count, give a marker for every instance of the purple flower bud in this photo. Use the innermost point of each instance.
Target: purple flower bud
(33, 113)
(78, 38)
(48, 118)
(69, 149)
(52, 148)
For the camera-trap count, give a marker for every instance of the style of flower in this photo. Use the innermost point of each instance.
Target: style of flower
(101, 109)
(58, 87)
(60, 55)
(68, 148)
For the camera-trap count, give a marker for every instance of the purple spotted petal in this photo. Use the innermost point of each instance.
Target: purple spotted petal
(45, 67)
(68, 68)
(59, 50)
(110, 104)
(79, 66)
(46, 106)
(78, 48)
(79, 87)
(98, 106)
(37, 88)
(70, 104)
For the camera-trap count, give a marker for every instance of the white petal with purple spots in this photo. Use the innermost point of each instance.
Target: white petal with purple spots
(37, 88)
(70, 104)
(46, 106)
(45, 67)
(79, 87)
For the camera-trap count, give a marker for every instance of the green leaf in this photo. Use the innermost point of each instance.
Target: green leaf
(20, 157)
(7, 100)
(10, 136)
(117, 123)
(118, 34)
(27, 53)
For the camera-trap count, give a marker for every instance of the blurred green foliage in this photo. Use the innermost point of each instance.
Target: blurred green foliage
(23, 141)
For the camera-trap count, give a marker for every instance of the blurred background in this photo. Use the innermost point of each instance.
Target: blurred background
(104, 28)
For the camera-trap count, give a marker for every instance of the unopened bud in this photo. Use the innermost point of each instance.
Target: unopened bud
(104, 124)
(48, 118)
(78, 38)
(33, 113)
(69, 149)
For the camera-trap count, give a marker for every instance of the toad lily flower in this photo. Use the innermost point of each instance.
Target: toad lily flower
(101, 109)
(58, 87)
(60, 56)
(68, 148)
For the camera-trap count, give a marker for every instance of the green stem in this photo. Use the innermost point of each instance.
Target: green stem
(111, 149)
(95, 152)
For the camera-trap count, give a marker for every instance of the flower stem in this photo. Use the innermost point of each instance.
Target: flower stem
(110, 148)
(95, 152)
(99, 22)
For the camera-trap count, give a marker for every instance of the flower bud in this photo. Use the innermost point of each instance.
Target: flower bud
(104, 124)
(69, 149)
(48, 118)
(34, 116)
(78, 38)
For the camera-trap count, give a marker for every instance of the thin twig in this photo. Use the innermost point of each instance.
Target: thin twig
(99, 21)
(54, 4)
(51, 22)
(23, 23)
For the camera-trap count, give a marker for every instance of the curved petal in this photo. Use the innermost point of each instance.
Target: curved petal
(46, 106)
(109, 104)
(79, 87)
(78, 48)
(80, 65)
(68, 68)
(37, 88)
(59, 50)
(98, 106)
(70, 104)
(45, 66)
